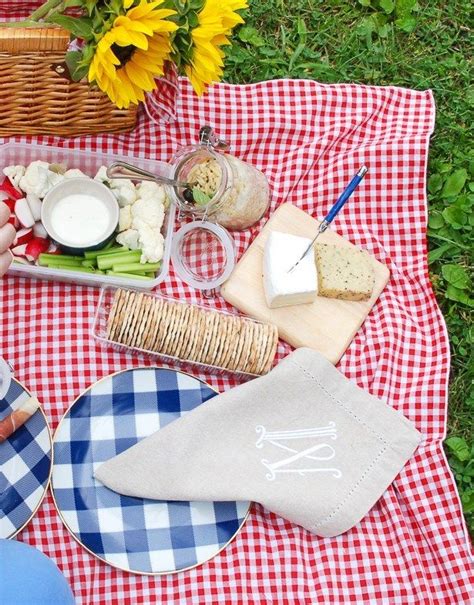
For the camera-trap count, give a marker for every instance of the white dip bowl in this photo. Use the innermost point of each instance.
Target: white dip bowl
(80, 214)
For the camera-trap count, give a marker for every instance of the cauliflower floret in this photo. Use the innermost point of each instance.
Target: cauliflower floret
(75, 173)
(149, 211)
(123, 189)
(125, 218)
(38, 179)
(150, 242)
(125, 192)
(128, 238)
(101, 175)
(14, 173)
(150, 189)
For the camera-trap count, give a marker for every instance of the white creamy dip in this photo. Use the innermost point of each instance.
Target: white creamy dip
(80, 219)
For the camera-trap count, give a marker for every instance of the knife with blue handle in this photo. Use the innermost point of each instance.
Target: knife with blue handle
(345, 195)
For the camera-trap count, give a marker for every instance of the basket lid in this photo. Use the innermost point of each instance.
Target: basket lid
(17, 40)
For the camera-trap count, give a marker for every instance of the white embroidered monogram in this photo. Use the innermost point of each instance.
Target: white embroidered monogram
(303, 441)
(289, 464)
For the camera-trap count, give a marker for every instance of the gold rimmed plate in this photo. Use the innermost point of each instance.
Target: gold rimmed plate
(25, 464)
(134, 534)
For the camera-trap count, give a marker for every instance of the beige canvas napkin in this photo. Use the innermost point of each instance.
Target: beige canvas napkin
(304, 441)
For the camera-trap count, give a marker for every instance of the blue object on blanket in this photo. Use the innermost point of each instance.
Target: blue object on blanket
(28, 577)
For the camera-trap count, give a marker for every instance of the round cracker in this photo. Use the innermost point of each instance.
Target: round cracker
(163, 323)
(132, 318)
(154, 324)
(170, 319)
(124, 317)
(221, 340)
(257, 346)
(232, 341)
(174, 329)
(113, 309)
(182, 329)
(123, 295)
(245, 344)
(208, 328)
(239, 344)
(143, 322)
(211, 345)
(199, 334)
(272, 350)
(251, 353)
(265, 338)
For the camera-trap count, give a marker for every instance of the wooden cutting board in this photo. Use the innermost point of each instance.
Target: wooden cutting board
(327, 325)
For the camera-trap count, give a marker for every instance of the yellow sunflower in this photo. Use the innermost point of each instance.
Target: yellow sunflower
(215, 22)
(131, 54)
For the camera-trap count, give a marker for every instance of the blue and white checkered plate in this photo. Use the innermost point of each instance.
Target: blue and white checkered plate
(134, 534)
(25, 464)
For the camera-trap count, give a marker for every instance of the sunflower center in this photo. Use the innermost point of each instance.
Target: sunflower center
(123, 53)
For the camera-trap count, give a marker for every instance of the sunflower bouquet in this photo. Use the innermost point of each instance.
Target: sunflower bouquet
(122, 46)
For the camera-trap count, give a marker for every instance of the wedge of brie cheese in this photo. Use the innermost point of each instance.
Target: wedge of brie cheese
(282, 288)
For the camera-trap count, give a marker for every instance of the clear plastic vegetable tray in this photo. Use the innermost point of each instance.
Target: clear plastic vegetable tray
(89, 163)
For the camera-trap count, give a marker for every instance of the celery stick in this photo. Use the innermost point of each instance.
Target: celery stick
(109, 260)
(131, 275)
(130, 267)
(91, 254)
(75, 268)
(109, 245)
(89, 263)
(56, 257)
(66, 262)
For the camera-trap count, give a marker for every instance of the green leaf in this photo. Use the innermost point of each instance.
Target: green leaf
(467, 499)
(454, 216)
(437, 253)
(404, 7)
(79, 27)
(200, 197)
(365, 27)
(454, 183)
(455, 275)
(76, 70)
(364, 2)
(435, 220)
(383, 30)
(407, 24)
(250, 35)
(459, 447)
(458, 295)
(435, 182)
(387, 6)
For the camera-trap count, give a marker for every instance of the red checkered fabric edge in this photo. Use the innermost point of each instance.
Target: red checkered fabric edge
(309, 139)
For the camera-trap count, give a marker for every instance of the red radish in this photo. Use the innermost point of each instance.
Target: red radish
(10, 190)
(10, 203)
(39, 230)
(23, 213)
(21, 260)
(23, 236)
(14, 221)
(19, 250)
(32, 249)
(35, 205)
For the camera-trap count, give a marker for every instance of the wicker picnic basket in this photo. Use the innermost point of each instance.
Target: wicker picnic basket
(37, 98)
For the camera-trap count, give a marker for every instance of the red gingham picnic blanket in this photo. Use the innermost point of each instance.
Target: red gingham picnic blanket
(309, 139)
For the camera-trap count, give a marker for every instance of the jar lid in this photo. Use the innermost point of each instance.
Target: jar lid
(203, 254)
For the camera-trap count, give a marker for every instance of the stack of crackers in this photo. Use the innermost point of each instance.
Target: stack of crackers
(191, 333)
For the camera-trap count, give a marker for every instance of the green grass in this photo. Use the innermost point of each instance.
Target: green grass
(424, 45)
